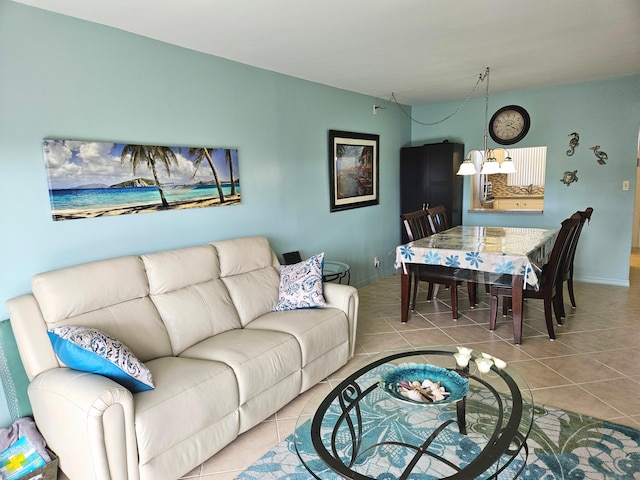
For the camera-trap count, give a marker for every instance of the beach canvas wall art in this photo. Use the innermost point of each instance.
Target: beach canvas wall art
(97, 179)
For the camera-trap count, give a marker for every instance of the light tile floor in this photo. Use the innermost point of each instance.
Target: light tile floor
(590, 368)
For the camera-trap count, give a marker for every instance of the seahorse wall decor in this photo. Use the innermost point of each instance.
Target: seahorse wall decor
(573, 143)
(572, 176)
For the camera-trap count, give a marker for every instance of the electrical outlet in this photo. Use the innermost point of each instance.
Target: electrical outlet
(625, 185)
(376, 262)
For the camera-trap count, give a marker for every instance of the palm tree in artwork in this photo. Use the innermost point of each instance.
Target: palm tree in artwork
(201, 154)
(230, 163)
(150, 155)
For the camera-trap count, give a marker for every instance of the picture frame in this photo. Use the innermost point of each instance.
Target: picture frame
(89, 179)
(353, 170)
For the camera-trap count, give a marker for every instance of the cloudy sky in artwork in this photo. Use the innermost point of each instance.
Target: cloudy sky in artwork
(71, 164)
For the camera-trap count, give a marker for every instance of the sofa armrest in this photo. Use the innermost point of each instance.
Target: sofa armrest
(346, 299)
(98, 439)
(30, 332)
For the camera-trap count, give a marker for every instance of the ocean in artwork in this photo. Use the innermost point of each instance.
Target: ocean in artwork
(107, 198)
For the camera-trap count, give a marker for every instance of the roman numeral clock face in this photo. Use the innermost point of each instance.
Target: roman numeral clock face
(509, 125)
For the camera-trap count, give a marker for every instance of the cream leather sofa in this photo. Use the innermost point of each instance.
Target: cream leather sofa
(200, 319)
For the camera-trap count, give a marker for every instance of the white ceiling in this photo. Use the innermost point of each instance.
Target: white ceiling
(421, 50)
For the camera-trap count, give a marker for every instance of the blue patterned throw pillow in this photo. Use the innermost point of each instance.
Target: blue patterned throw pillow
(91, 350)
(301, 285)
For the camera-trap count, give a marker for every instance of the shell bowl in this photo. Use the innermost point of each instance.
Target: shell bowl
(454, 384)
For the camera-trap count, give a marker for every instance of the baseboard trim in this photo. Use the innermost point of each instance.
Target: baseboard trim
(603, 281)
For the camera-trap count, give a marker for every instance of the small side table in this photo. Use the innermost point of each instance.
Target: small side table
(335, 271)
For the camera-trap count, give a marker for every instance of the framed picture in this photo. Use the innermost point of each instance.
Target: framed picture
(353, 169)
(98, 179)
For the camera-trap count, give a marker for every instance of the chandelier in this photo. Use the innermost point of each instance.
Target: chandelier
(490, 164)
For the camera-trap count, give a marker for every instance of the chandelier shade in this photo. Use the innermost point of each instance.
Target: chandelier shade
(490, 166)
(467, 167)
(507, 166)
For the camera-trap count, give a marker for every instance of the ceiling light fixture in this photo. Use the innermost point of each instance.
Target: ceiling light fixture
(490, 164)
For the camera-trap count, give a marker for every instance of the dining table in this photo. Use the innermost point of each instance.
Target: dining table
(499, 253)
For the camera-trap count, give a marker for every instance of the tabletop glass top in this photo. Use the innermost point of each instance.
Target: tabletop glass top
(495, 250)
(331, 267)
(502, 240)
(361, 430)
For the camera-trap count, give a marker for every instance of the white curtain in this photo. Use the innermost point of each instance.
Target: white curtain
(530, 165)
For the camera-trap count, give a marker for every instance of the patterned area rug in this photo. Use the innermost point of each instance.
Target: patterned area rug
(562, 445)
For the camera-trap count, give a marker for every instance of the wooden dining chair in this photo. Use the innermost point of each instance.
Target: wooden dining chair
(438, 218)
(548, 279)
(439, 222)
(417, 226)
(566, 273)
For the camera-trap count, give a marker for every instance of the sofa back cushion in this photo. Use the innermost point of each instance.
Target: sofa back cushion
(109, 295)
(192, 300)
(250, 271)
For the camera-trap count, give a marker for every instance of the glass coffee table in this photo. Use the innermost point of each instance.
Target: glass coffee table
(365, 429)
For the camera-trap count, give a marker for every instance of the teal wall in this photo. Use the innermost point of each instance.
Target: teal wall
(71, 79)
(605, 113)
(66, 78)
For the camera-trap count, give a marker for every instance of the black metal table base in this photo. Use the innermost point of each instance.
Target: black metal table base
(505, 438)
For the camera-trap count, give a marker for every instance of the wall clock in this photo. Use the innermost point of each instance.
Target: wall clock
(509, 125)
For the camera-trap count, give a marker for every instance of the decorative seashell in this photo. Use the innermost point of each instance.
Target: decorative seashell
(424, 392)
(415, 395)
(437, 395)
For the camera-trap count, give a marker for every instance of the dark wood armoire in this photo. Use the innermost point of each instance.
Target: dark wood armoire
(428, 178)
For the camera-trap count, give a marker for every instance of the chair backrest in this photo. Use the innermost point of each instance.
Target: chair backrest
(416, 224)
(567, 266)
(438, 218)
(553, 268)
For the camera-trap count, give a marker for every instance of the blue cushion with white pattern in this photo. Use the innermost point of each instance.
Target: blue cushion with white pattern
(91, 350)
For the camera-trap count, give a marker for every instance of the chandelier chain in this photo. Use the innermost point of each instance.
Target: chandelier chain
(486, 109)
(481, 78)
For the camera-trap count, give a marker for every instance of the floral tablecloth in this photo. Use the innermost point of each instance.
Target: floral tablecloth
(499, 250)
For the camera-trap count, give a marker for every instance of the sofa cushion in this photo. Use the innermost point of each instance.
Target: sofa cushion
(109, 295)
(195, 313)
(71, 291)
(249, 269)
(183, 404)
(242, 255)
(301, 285)
(193, 302)
(179, 268)
(253, 293)
(317, 330)
(91, 350)
(259, 358)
